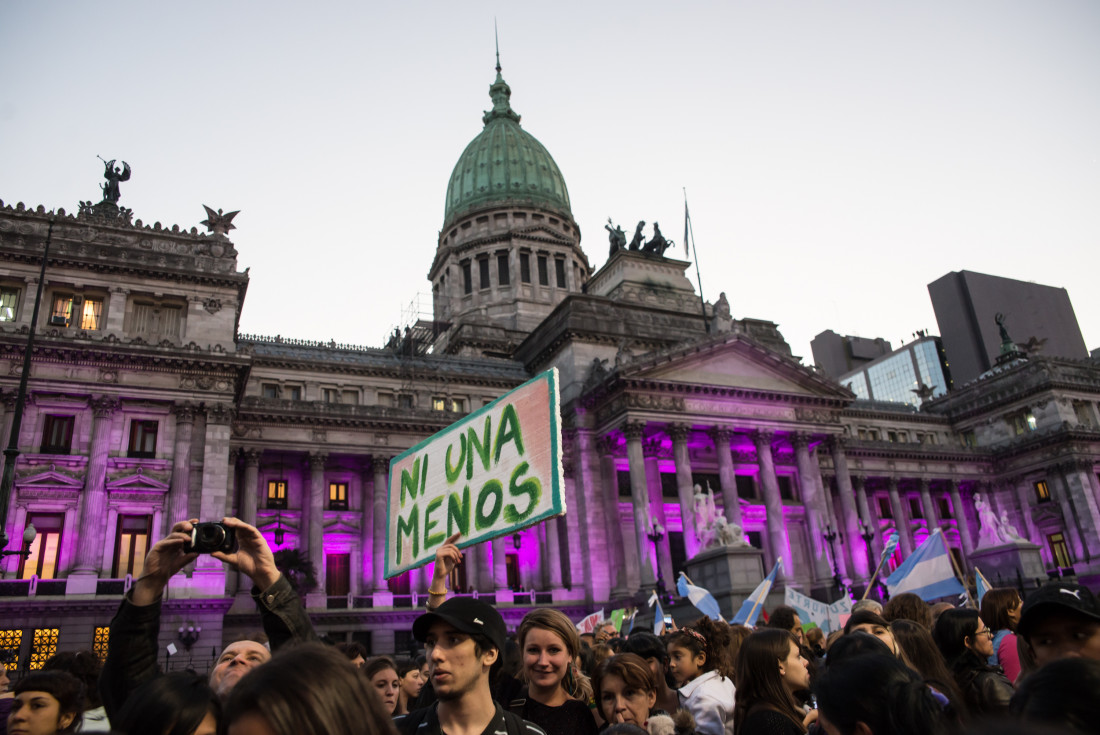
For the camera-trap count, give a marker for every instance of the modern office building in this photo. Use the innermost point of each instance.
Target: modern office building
(910, 374)
(1040, 319)
(836, 354)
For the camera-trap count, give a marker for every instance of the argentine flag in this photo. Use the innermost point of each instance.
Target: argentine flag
(927, 572)
(702, 599)
(981, 583)
(751, 607)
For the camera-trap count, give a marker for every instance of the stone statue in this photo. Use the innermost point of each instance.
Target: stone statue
(1008, 531)
(658, 244)
(617, 237)
(711, 528)
(113, 176)
(990, 532)
(217, 222)
(722, 307)
(639, 238)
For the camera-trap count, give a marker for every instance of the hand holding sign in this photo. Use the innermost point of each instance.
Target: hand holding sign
(447, 557)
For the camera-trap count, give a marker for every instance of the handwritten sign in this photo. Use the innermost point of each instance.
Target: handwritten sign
(823, 615)
(492, 473)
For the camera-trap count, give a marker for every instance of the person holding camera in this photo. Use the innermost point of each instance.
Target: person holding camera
(132, 647)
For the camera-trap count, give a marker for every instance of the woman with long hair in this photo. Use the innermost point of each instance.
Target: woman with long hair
(770, 669)
(876, 694)
(381, 672)
(1001, 608)
(966, 644)
(179, 703)
(557, 692)
(922, 655)
(699, 662)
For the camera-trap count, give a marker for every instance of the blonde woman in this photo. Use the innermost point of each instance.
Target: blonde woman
(557, 693)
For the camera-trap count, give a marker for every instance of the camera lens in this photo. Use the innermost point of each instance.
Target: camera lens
(213, 535)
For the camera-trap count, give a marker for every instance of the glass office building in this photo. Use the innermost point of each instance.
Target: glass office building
(898, 376)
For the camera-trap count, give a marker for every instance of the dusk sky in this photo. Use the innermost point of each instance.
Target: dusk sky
(837, 156)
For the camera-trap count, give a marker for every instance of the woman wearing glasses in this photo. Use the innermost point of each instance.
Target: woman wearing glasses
(966, 644)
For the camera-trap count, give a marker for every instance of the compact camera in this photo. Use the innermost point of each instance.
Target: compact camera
(207, 538)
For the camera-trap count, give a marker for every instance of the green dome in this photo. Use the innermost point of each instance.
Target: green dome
(504, 164)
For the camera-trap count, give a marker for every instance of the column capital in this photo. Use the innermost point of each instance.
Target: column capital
(234, 455)
(721, 436)
(220, 413)
(317, 460)
(800, 440)
(923, 483)
(654, 446)
(858, 481)
(762, 438)
(892, 483)
(252, 457)
(10, 397)
(633, 430)
(103, 407)
(184, 412)
(606, 445)
(678, 432)
(837, 443)
(380, 462)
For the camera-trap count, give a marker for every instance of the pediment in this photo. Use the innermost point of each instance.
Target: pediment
(51, 478)
(136, 481)
(341, 526)
(735, 362)
(540, 232)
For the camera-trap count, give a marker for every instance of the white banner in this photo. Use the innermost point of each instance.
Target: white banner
(825, 616)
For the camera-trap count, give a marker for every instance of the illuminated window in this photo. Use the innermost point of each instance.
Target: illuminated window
(11, 639)
(91, 314)
(143, 439)
(43, 645)
(1022, 422)
(62, 310)
(132, 545)
(9, 303)
(46, 548)
(442, 403)
(57, 434)
(99, 641)
(337, 574)
(1058, 550)
(1042, 491)
(337, 496)
(276, 494)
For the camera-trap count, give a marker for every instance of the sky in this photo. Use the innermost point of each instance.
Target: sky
(837, 156)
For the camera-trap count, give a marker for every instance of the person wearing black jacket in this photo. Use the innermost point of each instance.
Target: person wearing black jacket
(966, 644)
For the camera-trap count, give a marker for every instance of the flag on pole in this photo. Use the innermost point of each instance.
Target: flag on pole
(702, 599)
(927, 572)
(981, 583)
(588, 624)
(628, 622)
(617, 618)
(659, 621)
(751, 607)
(687, 219)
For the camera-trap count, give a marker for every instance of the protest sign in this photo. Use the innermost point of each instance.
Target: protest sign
(489, 474)
(825, 616)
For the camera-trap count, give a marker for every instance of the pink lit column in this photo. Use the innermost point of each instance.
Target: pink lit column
(778, 543)
(960, 518)
(1023, 498)
(849, 522)
(901, 518)
(622, 557)
(931, 519)
(731, 505)
(662, 552)
(500, 565)
(179, 487)
(93, 506)
(639, 495)
(314, 518)
(859, 482)
(814, 503)
(685, 489)
(249, 501)
(380, 465)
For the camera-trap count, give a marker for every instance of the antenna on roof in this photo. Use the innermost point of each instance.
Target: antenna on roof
(496, 38)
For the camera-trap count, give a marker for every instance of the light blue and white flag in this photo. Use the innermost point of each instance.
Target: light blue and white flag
(751, 607)
(927, 572)
(659, 621)
(702, 599)
(981, 583)
(822, 614)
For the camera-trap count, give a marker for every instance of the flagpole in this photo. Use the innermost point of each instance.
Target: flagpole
(958, 573)
(871, 584)
(698, 276)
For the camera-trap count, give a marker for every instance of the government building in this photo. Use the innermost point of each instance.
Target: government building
(145, 404)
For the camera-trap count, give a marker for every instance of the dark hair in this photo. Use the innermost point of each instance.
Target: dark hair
(405, 665)
(309, 689)
(1062, 693)
(881, 692)
(646, 645)
(997, 603)
(630, 667)
(864, 617)
(84, 665)
(710, 638)
(758, 680)
(856, 643)
(908, 606)
(62, 686)
(952, 629)
(782, 617)
(174, 704)
(924, 657)
(378, 664)
(738, 634)
(353, 650)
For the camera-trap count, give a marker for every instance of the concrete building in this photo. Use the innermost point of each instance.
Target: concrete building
(837, 355)
(146, 405)
(1040, 317)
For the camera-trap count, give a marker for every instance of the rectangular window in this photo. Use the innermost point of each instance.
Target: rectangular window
(337, 574)
(559, 272)
(43, 646)
(915, 510)
(337, 496)
(457, 579)
(46, 547)
(132, 545)
(968, 439)
(276, 494)
(9, 303)
(330, 395)
(57, 435)
(1022, 422)
(525, 267)
(143, 439)
(154, 319)
(885, 510)
(439, 404)
(1059, 551)
(350, 397)
(294, 393)
(270, 390)
(458, 405)
(483, 272)
(62, 310)
(746, 487)
(399, 585)
(405, 401)
(945, 508)
(11, 641)
(1042, 491)
(892, 436)
(91, 314)
(544, 274)
(99, 641)
(467, 278)
(786, 488)
(503, 277)
(511, 562)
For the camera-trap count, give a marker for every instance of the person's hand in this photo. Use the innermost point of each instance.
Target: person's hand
(447, 557)
(810, 718)
(253, 556)
(165, 559)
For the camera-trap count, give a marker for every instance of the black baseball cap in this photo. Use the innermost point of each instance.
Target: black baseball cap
(1057, 595)
(467, 615)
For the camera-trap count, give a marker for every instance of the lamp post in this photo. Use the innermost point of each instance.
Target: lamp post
(280, 534)
(655, 533)
(189, 635)
(831, 536)
(867, 533)
(29, 534)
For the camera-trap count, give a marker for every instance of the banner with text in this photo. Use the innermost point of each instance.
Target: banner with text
(825, 616)
(490, 474)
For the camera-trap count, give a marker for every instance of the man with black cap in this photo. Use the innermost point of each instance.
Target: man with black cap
(463, 638)
(1061, 619)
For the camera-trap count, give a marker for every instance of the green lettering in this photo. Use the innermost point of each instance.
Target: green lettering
(452, 472)
(493, 489)
(431, 539)
(458, 512)
(479, 445)
(530, 487)
(409, 529)
(509, 431)
(411, 481)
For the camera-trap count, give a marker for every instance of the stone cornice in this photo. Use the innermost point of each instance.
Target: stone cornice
(913, 451)
(255, 411)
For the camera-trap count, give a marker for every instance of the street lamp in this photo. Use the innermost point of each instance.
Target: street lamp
(29, 534)
(189, 635)
(655, 533)
(831, 536)
(280, 534)
(867, 533)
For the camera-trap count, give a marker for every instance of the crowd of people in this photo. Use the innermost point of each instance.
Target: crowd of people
(1016, 665)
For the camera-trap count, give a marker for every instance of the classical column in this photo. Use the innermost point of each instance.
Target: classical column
(731, 505)
(553, 553)
(859, 483)
(249, 494)
(931, 519)
(8, 400)
(662, 554)
(1022, 489)
(639, 494)
(685, 490)
(901, 518)
(849, 520)
(500, 565)
(179, 487)
(93, 506)
(778, 543)
(960, 518)
(814, 502)
(380, 465)
(586, 523)
(313, 518)
(215, 500)
(622, 557)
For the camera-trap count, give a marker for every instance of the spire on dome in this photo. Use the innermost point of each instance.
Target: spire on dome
(499, 92)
